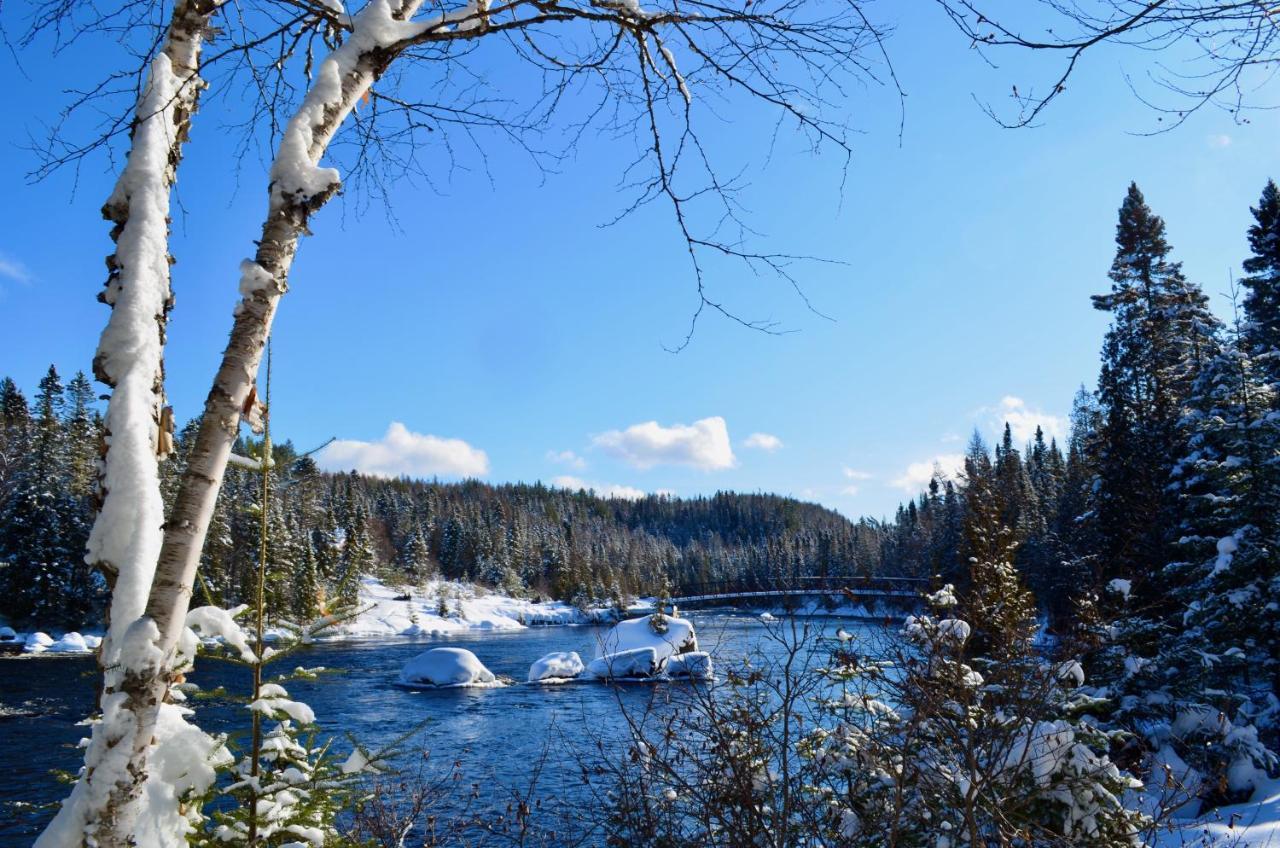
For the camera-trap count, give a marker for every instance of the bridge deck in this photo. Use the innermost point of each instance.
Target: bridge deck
(774, 593)
(859, 587)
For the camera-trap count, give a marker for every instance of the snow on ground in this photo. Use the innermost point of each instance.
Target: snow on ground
(1255, 824)
(386, 612)
(446, 668)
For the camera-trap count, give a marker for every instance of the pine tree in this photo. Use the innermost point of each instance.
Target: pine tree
(416, 558)
(15, 425)
(1219, 657)
(1161, 333)
(1262, 301)
(358, 558)
(83, 425)
(43, 576)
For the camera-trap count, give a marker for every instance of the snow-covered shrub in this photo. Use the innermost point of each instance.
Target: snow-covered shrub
(934, 746)
(717, 763)
(961, 733)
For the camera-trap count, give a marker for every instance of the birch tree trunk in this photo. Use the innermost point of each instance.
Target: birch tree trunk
(298, 188)
(127, 532)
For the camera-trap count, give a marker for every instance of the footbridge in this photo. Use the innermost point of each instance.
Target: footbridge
(868, 591)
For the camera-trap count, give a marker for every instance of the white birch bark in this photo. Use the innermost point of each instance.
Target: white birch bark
(127, 532)
(135, 709)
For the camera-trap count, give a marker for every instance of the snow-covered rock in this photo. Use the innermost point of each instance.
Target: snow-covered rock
(446, 667)
(695, 665)
(8, 635)
(560, 665)
(72, 643)
(636, 663)
(678, 637)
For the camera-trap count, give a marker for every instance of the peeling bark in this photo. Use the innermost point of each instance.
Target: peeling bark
(264, 280)
(125, 537)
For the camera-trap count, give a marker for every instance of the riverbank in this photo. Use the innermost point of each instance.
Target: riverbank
(434, 608)
(438, 608)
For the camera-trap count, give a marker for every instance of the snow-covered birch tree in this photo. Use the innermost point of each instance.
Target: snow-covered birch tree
(126, 535)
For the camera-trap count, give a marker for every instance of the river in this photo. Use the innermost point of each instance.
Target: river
(496, 736)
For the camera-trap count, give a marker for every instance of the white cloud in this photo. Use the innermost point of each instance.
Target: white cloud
(762, 441)
(604, 490)
(849, 490)
(1023, 420)
(918, 474)
(14, 270)
(403, 452)
(567, 457)
(1220, 140)
(703, 444)
(855, 474)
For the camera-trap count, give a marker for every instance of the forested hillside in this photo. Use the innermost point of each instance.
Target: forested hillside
(327, 529)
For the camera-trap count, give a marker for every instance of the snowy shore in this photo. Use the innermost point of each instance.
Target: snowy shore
(389, 612)
(386, 612)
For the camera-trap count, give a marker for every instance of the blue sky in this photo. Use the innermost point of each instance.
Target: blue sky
(527, 343)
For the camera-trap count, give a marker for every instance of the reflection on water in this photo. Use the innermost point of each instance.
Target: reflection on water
(497, 736)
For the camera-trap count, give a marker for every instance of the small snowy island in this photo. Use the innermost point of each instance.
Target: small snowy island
(442, 668)
(656, 647)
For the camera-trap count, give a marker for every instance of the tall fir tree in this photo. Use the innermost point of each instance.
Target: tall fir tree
(43, 576)
(1262, 281)
(1161, 333)
(83, 426)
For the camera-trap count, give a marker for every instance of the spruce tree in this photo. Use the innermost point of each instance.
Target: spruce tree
(83, 425)
(15, 425)
(1262, 301)
(43, 577)
(1161, 333)
(358, 558)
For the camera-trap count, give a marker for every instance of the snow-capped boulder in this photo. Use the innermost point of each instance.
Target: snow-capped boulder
(446, 667)
(695, 665)
(72, 643)
(677, 637)
(560, 665)
(7, 635)
(637, 663)
(37, 642)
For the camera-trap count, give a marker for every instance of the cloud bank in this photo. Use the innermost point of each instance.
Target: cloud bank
(604, 490)
(1023, 421)
(567, 457)
(917, 475)
(703, 444)
(766, 442)
(401, 452)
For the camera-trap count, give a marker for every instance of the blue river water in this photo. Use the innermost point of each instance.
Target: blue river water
(498, 739)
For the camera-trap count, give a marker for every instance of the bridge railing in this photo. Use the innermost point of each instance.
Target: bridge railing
(791, 585)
